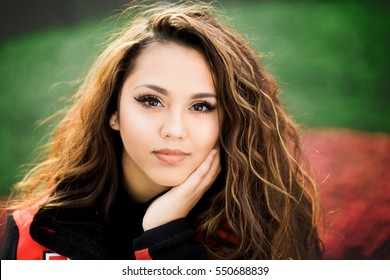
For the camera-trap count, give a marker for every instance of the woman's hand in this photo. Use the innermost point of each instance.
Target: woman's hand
(179, 200)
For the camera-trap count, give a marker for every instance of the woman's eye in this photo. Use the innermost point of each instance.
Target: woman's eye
(203, 107)
(152, 102)
(149, 101)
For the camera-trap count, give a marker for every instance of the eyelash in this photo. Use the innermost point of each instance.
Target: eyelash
(147, 98)
(209, 107)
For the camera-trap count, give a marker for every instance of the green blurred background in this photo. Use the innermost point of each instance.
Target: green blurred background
(330, 57)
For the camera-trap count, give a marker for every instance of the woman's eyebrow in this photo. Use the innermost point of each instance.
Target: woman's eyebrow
(155, 88)
(204, 95)
(165, 92)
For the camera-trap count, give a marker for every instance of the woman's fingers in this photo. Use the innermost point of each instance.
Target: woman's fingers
(179, 201)
(203, 176)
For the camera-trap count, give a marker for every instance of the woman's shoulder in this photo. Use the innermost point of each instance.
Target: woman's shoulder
(18, 243)
(23, 217)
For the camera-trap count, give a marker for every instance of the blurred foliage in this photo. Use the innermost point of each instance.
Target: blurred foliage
(331, 59)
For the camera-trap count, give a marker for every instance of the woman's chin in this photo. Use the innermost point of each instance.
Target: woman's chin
(171, 182)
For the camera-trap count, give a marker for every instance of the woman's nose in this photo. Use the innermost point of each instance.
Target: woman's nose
(173, 126)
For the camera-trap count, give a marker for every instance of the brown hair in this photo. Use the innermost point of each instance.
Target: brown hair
(268, 200)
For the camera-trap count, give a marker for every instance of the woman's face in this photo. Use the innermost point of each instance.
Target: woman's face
(168, 118)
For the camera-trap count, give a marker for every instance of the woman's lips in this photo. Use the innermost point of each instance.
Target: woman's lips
(170, 156)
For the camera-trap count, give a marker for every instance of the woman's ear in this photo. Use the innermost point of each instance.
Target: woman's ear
(114, 122)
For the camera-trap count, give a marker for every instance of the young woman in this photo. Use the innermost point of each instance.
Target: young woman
(176, 147)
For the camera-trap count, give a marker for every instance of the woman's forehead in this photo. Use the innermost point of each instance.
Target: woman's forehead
(172, 66)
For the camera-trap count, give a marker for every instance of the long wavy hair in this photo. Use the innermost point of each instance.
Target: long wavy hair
(268, 201)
